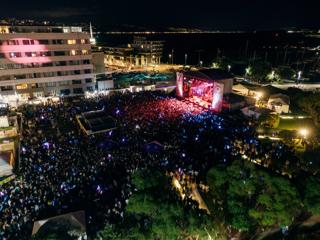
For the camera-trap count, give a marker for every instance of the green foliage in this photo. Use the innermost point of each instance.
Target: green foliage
(312, 195)
(270, 120)
(223, 62)
(109, 233)
(142, 204)
(286, 72)
(277, 204)
(310, 103)
(260, 71)
(147, 179)
(154, 213)
(253, 197)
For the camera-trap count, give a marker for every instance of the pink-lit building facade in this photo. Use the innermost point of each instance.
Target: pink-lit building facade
(42, 61)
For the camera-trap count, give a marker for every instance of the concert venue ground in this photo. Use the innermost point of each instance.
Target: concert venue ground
(62, 170)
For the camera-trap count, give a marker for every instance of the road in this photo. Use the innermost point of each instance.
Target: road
(302, 86)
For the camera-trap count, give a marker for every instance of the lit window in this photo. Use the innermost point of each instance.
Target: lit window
(73, 52)
(22, 86)
(71, 42)
(84, 52)
(83, 41)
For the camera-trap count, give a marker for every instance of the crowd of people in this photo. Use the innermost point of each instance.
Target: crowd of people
(62, 170)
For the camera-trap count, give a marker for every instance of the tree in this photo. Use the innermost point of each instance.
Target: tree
(286, 72)
(153, 212)
(310, 103)
(270, 120)
(276, 204)
(260, 71)
(312, 195)
(252, 197)
(223, 63)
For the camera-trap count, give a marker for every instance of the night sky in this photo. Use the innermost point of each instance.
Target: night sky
(208, 14)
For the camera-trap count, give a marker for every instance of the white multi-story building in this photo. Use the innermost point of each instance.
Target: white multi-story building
(42, 61)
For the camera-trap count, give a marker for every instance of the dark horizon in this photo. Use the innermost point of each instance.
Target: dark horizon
(207, 15)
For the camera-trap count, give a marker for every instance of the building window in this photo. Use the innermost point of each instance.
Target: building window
(45, 54)
(59, 53)
(87, 71)
(64, 83)
(31, 54)
(65, 91)
(73, 53)
(59, 41)
(85, 52)
(48, 74)
(49, 64)
(34, 85)
(15, 54)
(17, 77)
(25, 42)
(22, 86)
(90, 89)
(72, 42)
(88, 80)
(77, 90)
(7, 88)
(74, 82)
(43, 42)
(13, 42)
(50, 84)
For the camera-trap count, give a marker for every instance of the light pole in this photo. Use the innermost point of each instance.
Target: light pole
(172, 51)
(185, 59)
(170, 58)
(299, 77)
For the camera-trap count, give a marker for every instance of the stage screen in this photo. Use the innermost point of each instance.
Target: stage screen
(202, 90)
(208, 94)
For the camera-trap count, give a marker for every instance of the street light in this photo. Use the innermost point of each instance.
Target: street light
(304, 132)
(229, 68)
(299, 75)
(185, 59)
(170, 58)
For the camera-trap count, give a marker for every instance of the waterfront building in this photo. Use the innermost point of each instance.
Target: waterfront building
(43, 61)
(140, 53)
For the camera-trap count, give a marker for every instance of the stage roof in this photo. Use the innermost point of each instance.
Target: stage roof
(5, 168)
(96, 121)
(211, 74)
(61, 226)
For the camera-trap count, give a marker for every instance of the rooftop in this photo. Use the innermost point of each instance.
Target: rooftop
(210, 74)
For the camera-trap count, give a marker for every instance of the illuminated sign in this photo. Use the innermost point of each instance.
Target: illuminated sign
(25, 51)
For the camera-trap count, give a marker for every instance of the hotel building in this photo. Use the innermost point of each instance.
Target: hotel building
(140, 53)
(44, 61)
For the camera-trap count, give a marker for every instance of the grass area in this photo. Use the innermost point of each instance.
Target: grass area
(296, 124)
